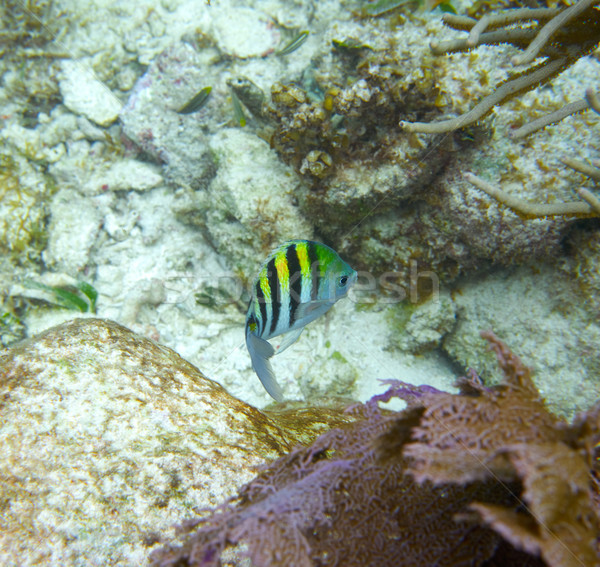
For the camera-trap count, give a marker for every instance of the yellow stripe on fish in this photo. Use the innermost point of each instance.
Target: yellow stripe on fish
(305, 271)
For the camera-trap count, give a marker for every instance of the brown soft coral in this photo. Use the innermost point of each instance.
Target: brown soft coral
(459, 438)
(505, 435)
(335, 503)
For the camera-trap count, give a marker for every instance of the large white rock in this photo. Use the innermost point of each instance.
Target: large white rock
(83, 93)
(252, 203)
(123, 175)
(244, 32)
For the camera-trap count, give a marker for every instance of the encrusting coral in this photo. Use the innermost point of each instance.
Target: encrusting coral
(486, 476)
(29, 53)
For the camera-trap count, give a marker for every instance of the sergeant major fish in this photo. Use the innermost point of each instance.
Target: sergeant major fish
(299, 281)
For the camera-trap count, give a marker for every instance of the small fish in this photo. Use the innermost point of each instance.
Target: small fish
(299, 281)
(379, 7)
(294, 44)
(248, 93)
(196, 102)
(238, 111)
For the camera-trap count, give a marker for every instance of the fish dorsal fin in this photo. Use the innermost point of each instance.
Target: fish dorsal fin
(307, 312)
(260, 352)
(288, 339)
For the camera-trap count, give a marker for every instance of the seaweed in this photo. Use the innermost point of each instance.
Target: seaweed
(30, 50)
(24, 23)
(483, 477)
(28, 63)
(70, 297)
(319, 133)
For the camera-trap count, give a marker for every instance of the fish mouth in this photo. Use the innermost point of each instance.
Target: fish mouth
(353, 278)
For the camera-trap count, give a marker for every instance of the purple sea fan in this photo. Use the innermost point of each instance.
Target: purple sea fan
(335, 503)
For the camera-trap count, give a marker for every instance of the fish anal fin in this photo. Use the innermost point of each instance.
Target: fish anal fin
(260, 352)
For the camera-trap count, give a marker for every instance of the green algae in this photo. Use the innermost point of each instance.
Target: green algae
(80, 297)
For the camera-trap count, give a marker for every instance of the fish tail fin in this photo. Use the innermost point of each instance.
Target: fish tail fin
(260, 352)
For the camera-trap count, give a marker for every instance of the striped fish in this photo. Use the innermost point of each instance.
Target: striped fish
(298, 282)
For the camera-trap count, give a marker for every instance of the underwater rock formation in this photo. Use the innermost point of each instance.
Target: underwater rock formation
(392, 196)
(109, 439)
(85, 95)
(584, 264)
(150, 117)
(544, 313)
(382, 195)
(484, 477)
(248, 207)
(229, 28)
(73, 228)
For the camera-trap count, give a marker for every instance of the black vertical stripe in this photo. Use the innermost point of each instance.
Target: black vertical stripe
(260, 297)
(275, 293)
(293, 262)
(314, 269)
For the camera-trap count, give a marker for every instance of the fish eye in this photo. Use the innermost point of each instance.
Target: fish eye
(343, 280)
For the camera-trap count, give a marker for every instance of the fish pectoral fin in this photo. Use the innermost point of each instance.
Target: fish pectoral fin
(260, 352)
(312, 310)
(288, 339)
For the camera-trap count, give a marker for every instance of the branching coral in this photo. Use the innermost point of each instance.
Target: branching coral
(568, 35)
(530, 210)
(589, 101)
(589, 207)
(484, 476)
